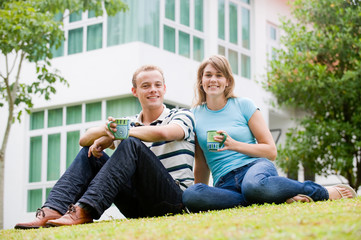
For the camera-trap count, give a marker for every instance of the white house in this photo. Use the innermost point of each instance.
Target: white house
(98, 60)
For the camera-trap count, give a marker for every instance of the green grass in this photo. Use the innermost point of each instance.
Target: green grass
(320, 220)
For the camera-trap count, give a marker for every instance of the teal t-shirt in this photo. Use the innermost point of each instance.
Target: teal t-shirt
(233, 119)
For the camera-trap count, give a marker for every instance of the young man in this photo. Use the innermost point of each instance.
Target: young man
(145, 175)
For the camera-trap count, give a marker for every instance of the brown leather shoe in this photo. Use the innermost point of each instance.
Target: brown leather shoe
(75, 215)
(42, 216)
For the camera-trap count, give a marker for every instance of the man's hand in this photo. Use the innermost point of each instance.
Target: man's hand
(99, 145)
(113, 127)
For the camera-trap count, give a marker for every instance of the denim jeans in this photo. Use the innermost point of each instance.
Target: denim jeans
(257, 182)
(133, 178)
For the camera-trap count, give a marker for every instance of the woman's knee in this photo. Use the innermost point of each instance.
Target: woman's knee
(252, 188)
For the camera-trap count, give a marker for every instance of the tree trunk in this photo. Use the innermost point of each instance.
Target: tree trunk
(293, 174)
(2, 163)
(309, 173)
(2, 158)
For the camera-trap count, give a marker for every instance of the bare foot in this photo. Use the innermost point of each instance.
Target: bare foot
(299, 198)
(339, 192)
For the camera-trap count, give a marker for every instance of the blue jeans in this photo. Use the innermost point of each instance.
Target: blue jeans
(257, 182)
(133, 178)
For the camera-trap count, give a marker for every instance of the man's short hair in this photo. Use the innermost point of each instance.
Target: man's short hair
(146, 68)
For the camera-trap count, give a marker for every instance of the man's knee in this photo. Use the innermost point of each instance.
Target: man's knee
(131, 141)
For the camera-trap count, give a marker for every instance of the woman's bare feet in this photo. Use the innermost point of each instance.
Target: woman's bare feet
(299, 198)
(340, 191)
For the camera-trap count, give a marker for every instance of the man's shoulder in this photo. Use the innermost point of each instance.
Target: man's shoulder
(180, 114)
(176, 111)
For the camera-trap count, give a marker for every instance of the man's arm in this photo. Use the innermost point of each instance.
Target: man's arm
(96, 149)
(88, 138)
(168, 132)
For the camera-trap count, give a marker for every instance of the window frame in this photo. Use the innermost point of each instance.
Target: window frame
(83, 23)
(179, 27)
(227, 44)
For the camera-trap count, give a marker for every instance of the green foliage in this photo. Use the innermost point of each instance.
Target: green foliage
(319, 220)
(318, 71)
(29, 30)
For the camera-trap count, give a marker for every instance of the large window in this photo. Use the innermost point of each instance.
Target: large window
(54, 140)
(139, 23)
(183, 32)
(234, 35)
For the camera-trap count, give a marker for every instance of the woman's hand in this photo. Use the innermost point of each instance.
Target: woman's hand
(228, 143)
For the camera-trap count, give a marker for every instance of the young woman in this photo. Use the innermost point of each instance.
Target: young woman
(242, 171)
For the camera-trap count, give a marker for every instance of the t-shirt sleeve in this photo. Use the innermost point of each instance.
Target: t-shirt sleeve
(185, 119)
(248, 107)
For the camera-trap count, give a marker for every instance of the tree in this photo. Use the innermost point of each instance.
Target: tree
(28, 32)
(318, 71)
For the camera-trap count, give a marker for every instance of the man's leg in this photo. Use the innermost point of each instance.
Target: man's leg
(74, 182)
(155, 190)
(68, 189)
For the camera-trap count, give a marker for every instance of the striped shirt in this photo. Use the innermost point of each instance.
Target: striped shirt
(176, 156)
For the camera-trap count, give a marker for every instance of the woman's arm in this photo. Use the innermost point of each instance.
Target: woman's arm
(265, 146)
(201, 169)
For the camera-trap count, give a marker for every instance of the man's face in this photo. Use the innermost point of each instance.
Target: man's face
(150, 89)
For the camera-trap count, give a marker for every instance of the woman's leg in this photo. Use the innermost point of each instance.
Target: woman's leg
(261, 184)
(201, 197)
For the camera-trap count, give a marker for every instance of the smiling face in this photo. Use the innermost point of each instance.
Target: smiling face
(150, 89)
(213, 82)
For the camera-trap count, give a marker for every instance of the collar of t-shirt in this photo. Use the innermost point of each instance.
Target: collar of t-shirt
(138, 121)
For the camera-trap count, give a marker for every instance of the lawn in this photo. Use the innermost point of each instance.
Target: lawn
(320, 220)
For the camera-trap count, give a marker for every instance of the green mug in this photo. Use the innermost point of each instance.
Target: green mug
(123, 125)
(213, 145)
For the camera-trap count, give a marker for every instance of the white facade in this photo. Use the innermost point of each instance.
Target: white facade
(106, 73)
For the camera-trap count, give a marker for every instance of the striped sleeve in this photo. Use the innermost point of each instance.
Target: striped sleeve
(185, 119)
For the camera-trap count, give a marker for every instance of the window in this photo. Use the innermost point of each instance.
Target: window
(234, 35)
(83, 31)
(76, 16)
(75, 41)
(183, 28)
(53, 166)
(139, 23)
(169, 39)
(184, 44)
(170, 9)
(55, 117)
(93, 112)
(272, 40)
(54, 140)
(58, 52)
(94, 36)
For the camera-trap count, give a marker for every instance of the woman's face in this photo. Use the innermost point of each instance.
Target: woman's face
(213, 81)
